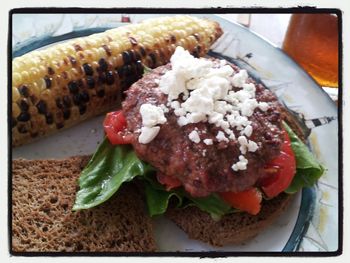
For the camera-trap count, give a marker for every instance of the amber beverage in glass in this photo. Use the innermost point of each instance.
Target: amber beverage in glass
(312, 41)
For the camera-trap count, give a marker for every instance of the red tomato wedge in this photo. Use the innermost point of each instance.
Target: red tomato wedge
(280, 171)
(115, 128)
(248, 201)
(168, 181)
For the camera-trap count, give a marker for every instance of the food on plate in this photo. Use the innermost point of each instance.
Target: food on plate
(207, 141)
(43, 193)
(61, 85)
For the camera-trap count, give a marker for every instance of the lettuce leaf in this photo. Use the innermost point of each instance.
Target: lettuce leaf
(158, 199)
(109, 167)
(309, 170)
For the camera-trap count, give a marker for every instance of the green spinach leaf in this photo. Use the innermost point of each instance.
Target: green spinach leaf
(309, 170)
(158, 200)
(109, 167)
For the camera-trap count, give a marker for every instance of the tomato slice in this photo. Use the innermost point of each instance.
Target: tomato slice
(115, 128)
(280, 171)
(248, 201)
(168, 181)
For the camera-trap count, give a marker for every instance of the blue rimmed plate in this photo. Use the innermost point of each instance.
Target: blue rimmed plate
(311, 221)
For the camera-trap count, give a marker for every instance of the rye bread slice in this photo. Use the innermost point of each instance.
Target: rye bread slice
(43, 192)
(234, 228)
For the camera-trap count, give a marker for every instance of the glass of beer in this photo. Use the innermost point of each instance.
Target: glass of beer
(312, 41)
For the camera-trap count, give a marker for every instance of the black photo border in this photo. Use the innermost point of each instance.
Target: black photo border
(216, 10)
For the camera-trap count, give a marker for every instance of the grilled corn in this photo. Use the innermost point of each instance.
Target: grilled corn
(64, 84)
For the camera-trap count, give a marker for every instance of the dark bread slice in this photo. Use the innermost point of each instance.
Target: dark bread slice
(43, 192)
(234, 228)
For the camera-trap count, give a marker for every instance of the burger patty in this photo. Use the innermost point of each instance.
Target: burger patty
(202, 169)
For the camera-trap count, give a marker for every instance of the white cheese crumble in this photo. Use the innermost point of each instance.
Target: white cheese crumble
(248, 130)
(252, 146)
(151, 116)
(194, 136)
(246, 145)
(148, 134)
(264, 106)
(221, 137)
(208, 141)
(241, 164)
(240, 78)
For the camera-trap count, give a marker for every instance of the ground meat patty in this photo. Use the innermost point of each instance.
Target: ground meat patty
(202, 169)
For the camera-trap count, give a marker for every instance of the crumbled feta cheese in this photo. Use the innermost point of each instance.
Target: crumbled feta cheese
(182, 121)
(232, 136)
(215, 117)
(184, 67)
(247, 145)
(194, 136)
(223, 124)
(164, 108)
(240, 78)
(249, 87)
(220, 106)
(151, 115)
(242, 140)
(196, 117)
(148, 134)
(241, 164)
(252, 146)
(175, 104)
(248, 130)
(208, 141)
(248, 107)
(221, 137)
(242, 95)
(199, 101)
(179, 112)
(264, 106)
(243, 149)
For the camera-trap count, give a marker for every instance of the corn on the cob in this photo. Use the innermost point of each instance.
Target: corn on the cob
(57, 87)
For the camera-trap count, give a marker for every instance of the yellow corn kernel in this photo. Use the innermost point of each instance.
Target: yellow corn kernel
(15, 94)
(40, 83)
(16, 79)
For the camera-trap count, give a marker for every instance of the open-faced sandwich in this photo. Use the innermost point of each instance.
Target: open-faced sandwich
(214, 150)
